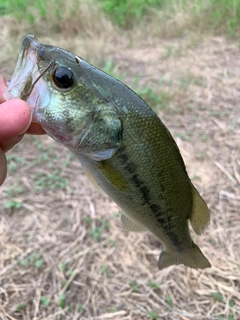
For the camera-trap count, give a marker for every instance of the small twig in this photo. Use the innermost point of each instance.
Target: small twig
(112, 315)
(226, 172)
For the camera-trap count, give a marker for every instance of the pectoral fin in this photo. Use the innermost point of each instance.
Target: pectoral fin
(112, 175)
(200, 215)
(101, 155)
(129, 225)
(93, 181)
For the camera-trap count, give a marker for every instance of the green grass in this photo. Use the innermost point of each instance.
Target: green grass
(80, 308)
(153, 315)
(153, 284)
(32, 260)
(174, 16)
(13, 192)
(113, 70)
(219, 16)
(133, 285)
(14, 162)
(12, 204)
(105, 270)
(21, 307)
(218, 296)
(169, 301)
(18, 7)
(51, 180)
(62, 300)
(102, 226)
(127, 12)
(32, 10)
(45, 301)
(156, 98)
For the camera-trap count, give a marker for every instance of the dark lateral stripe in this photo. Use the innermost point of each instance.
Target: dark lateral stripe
(160, 216)
(131, 168)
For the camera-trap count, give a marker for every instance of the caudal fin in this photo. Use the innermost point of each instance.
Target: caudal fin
(192, 258)
(200, 214)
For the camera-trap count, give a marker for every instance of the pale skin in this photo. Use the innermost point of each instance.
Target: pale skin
(15, 121)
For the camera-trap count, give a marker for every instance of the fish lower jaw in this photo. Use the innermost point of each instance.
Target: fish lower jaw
(65, 139)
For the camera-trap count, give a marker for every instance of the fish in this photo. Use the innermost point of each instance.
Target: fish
(122, 144)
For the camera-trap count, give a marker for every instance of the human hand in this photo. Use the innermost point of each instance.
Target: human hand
(15, 121)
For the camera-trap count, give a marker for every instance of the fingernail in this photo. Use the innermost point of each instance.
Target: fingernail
(22, 132)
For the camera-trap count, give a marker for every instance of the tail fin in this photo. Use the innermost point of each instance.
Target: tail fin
(192, 258)
(200, 215)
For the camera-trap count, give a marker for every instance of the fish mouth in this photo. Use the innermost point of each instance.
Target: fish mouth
(31, 82)
(27, 80)
(22, 77)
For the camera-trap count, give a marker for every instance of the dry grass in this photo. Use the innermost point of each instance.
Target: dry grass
(48, 247)
(87, 32)
(183, 17)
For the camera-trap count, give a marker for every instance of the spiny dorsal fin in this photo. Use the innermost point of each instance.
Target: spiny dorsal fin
(129, 225)
(200, 217)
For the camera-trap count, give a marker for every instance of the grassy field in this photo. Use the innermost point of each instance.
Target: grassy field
(174, 16)
(63, 255)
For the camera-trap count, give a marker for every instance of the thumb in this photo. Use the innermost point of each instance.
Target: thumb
(15, 118)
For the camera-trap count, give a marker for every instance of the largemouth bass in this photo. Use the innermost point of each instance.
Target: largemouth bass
(121, 143)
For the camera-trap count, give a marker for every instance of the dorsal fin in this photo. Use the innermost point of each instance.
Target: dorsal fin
(200, 216)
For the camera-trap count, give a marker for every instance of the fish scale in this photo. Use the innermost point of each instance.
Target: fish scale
(122, 144)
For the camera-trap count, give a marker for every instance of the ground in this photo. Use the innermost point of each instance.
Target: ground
(63, 254)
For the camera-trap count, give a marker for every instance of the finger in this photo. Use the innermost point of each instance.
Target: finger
(15, 116)
(3, 167)
(34, 128)
(3, 88)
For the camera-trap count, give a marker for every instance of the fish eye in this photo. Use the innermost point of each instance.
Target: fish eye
(63, 78)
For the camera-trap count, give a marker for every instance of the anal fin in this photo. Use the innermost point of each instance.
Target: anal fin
(128, 224)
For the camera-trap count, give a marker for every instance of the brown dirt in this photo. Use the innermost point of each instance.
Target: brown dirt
(115, 276)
